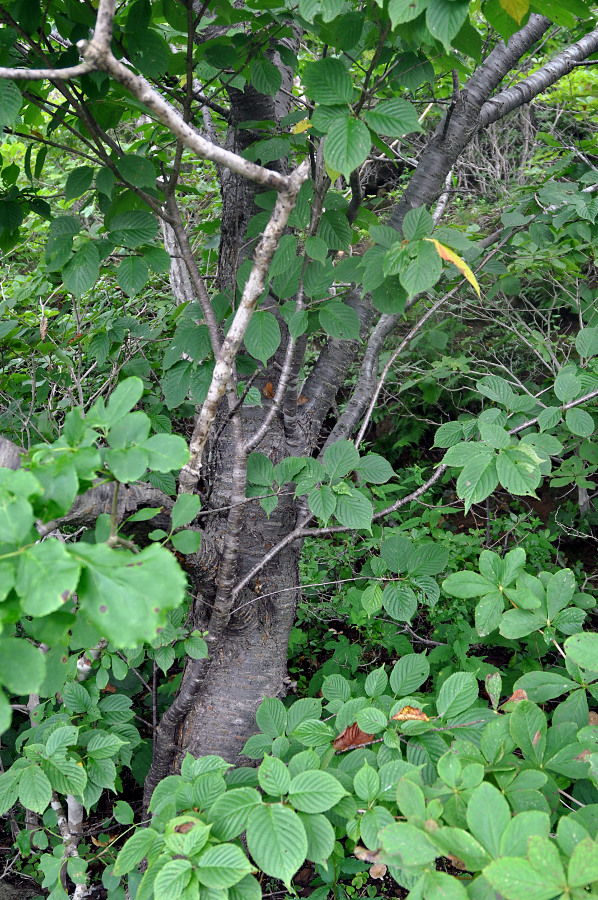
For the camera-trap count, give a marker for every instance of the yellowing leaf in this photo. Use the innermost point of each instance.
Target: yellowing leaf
(301, 126)
(450, 256)
(515, 8)
(410, 714)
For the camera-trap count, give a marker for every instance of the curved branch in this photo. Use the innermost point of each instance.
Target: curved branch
(50, 74)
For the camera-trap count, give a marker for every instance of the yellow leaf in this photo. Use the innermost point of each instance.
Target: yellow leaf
(450, 256)
(517, 9)
(411, 714)
(301, 126)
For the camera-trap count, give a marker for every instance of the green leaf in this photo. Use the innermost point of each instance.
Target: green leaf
(315, 791)
(166, 452)
(418, 223)
(406, 846)
(221, 866)
(367, 784)
(580, 422)
(517, 472)
(46, 577)
(401, 11)
(276, 840)
(515, 879)
(460, 843)
(22, 666)
(399, 601)
(185, 510)
(273, 776)
(354, 510)
(422, 272)
(347, 145)
(320, 837)
(582, 649)
(528, 730)
(137, 170)
(9, 788)
(339, 321)
(126, 595)
(372, 720)
(322, 502)
(265, 76)
(122, 399)
(78, 182)
(549, 417)
(457, 694)
(186, 541)
(132, 275)
(259, 469)
(123, 813)
(133, 228)
(567, 385)
(477, 480)
(82, 270)
(409, 673)
(127, 465)
(172, 879)
(376, 681)
(327, 81)
(444, 19)
(10, 103)
(374, 469)
(340, 458)
(35, 790)
(467, 584)
(262, 337)
(586, 342)
(394, 118)
(583, 865)
(230, 812)
(175, 384)
(488, 815)
(335, 230)
(271, 717)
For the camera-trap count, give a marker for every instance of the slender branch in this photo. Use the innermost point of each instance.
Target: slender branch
(65, 74)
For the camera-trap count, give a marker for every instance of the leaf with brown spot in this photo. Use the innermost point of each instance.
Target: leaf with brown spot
(184, 827)
(352, 736)
(516, 697)
(410, 714)
(536, 738)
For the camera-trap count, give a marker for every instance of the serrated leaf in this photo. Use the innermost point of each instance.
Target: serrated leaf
(82, 270)
(262, 337)
(347, 145)
(354, 510)
(422, 272)
(132, 275)
(315, 791)
(133, 228)
(276, 840)
(46, 577)
(328, 81)
(339, 321)
(22, 666)
(580, 422)
(78, 182)
(457, 694)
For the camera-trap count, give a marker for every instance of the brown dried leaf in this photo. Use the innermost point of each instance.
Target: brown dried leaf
(456, 862)
(378, 870)
(352, 736)
(410, 714)
(365, 855)
(268, 390)
(43, 328)
(517, 696)
(593, 717)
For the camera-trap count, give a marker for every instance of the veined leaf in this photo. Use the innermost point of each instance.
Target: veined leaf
(450, 255)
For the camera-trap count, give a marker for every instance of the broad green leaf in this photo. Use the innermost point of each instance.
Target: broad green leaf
(467, 584)
(549, 417)
(442, 886)
(322, 502)
(580, 422)
(46, 577)
(445, 18)
(271, 717)
(457, 694)
(586, 342)
(276, 840)
(423, 271)
(376, 681)
(221, 866)
(262, 337)
(133, 273)
(327, 81)
(567, 385)
(401, 11)
(185, 510)
(517, 623)
(340, 458)
(374, 469)
(274, 776)
(543, 686)
(517, 472)
(399, 601)
(395, 118)
(230, 812)
(477, 480)
(354, 510)
(335, 230)
(122, 399)
(517, 9)
(127, 465)
(260, 469)
(35, 790)
(78, 182)
(82, 270)
(172, 879)
(409, 673)
(320, 837)
(582, 649)
(339, 320)
(544, 856)
(372, 720)
(418, 224)
(9, 787)
(367, 783)
(528, 730)
(137, 170)
(133, 228)
(488, 815)
(166, 452)
(22, 666)
(127, 595)
(10, 103)
(315, 792)
(461, 844)
(406, 846)
(265, 76)
(516, 879)
(583, 865)
(347, 145)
